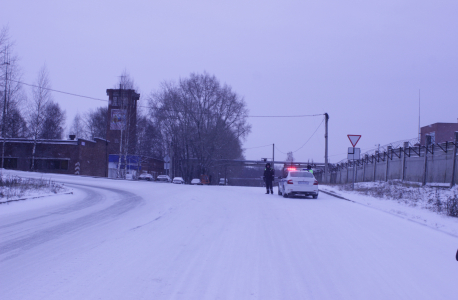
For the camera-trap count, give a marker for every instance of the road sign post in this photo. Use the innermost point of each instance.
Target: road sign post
(354, 139)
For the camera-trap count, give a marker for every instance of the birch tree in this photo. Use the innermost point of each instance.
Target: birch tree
(41, 97)
(77, 127)
(12, 93)
(127, 142)
(96, 123)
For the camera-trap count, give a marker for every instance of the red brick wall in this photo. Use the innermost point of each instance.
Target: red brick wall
(90, 154)
(444, 132)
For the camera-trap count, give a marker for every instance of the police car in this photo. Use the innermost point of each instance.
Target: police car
(298, 182)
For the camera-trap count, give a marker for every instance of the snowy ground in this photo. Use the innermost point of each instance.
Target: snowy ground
(15, 188)
(419, 210)
(115, 239)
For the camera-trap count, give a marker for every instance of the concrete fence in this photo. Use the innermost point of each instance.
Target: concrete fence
(433, 164)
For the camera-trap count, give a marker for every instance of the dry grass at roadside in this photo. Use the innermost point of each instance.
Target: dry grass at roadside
(440, 200)
(12, 187)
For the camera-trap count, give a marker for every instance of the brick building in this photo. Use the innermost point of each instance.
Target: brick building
(96, 157)
(81, 157)
(440, 132)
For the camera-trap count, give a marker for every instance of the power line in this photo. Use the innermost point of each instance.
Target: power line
(52, 90)
(280, 150)
(305, 141)
(296, 116)
(310, 137)
(105, 100)
(258, 147)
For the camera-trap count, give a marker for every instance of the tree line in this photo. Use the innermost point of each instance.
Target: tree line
(197, 121)
(201, 121)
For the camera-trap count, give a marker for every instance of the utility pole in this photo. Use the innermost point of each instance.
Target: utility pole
(4, 106)
(121, 98)
(452, 183)
(354, 170)
(419, 129)
(273, 157)
(326, 170)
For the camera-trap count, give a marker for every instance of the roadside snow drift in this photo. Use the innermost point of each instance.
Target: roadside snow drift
(117, 239)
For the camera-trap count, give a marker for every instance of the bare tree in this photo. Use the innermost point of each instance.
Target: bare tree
(149, 138)
(16, 125)
(96, 123)
(77, 127)
(201, 121)
(12, 92)
(53, 126)
(289, 157)
(41, 97)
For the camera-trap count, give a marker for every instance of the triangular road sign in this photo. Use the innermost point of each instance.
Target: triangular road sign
(354, 138)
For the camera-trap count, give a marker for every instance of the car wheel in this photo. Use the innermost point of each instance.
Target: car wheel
(285, 195)
(315, 196)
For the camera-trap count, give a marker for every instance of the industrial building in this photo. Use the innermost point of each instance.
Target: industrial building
(112, 157)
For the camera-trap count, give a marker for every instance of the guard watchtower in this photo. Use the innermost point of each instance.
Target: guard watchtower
(122, 125)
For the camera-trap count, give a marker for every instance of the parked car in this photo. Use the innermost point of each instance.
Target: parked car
(178, 180)
(163, 178)
(145, 176)
(298, 182)
(222, 181)
(196, 181)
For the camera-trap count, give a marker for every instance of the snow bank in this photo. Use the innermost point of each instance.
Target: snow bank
(431, 206)
(14, 188)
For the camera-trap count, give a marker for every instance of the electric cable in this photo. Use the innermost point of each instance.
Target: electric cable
(305, 142)
(258, 147)
(105, 100)
(309, 137)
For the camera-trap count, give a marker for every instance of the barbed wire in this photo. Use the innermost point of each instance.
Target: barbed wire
(383, 148)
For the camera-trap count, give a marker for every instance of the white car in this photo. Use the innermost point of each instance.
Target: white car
(178, 180)
(145, 176)
(163, 178)
(222, 181)
(298, 182)
(196, 181)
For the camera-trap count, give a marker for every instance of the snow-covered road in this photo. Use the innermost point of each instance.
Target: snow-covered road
(145, 240)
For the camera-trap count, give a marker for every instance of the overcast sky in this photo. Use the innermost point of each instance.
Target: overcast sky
(362, 62)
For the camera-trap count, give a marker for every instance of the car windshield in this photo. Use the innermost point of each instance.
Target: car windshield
(301, 174)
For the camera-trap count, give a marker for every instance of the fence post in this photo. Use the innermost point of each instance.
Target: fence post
(406, 145)
(356, 172)
(427, 142)
(364, 167)
(375, 164)
(388, 150)
(340, 174)
(454, 159)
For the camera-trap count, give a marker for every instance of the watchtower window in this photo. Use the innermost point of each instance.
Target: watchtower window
(120, 101)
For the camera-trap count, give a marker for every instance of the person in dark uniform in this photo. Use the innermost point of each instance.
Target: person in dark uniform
(309, 168)
(269, 178)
